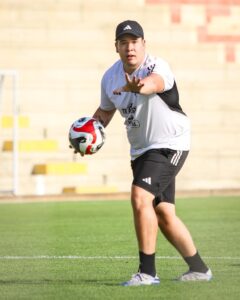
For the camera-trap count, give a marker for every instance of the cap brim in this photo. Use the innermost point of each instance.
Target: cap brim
(130, 33)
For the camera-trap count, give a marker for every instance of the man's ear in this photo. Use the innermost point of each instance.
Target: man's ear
(116, 47)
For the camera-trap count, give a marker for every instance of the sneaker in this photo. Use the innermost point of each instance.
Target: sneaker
(196, 276)
(142, 279)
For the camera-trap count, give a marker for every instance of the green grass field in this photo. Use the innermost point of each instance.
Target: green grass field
(84, 250)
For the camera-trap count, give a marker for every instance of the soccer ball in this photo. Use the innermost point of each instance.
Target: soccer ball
(86, 135)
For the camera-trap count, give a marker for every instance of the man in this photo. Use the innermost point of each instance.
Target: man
(143, 89)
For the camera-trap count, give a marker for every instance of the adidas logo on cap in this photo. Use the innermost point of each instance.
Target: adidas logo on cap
(128, 27)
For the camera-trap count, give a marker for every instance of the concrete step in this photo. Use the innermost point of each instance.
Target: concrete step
(32, 145)
(89, 189)
(7, 121)
(59, 168)
(217, 172)
(53, 57)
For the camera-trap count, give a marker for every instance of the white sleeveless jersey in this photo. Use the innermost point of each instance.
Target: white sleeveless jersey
(152, 121)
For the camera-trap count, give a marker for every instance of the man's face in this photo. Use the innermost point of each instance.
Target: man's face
(131, 51)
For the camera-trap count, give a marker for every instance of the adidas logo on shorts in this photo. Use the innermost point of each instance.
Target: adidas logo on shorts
(147, 180)
(176, 157)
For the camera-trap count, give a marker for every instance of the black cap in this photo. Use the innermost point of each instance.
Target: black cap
(129, 27)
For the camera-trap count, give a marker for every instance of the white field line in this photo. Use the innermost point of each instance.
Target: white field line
(71, 257)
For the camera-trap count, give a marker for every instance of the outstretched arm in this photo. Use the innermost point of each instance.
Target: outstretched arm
(153, 83)
(104, 116)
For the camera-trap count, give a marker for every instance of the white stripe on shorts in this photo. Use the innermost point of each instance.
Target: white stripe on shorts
(176, 157)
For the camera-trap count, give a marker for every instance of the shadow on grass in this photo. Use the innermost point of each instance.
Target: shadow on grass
(235, 265)
(57, 282)
(77, 281)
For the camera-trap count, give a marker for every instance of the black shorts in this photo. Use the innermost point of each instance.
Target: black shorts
(155, 172)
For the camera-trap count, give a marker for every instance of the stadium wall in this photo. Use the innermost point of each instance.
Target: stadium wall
(61, 50)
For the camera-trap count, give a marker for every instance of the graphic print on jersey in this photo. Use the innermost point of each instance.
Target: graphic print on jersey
(150, 69)
(129, 113)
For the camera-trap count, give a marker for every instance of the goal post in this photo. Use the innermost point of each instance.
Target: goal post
(14, 77)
